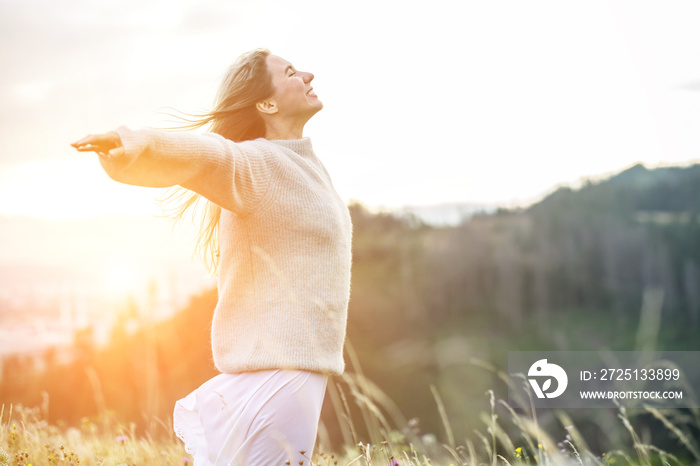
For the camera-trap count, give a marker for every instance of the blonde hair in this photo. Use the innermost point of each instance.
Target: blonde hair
(234, 117)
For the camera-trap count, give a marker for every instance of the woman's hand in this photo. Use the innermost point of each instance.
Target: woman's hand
(105, 144)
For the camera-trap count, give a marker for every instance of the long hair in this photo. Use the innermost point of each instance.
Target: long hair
(234, 117)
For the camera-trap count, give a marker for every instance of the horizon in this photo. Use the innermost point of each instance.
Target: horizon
(148, 199)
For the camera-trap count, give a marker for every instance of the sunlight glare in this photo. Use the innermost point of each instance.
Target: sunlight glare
(123, 277)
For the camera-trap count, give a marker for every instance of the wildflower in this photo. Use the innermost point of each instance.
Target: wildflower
(186, 460)
(412, 427)
(121, 439)
(539, 445)
(394, 462)
(563, 450)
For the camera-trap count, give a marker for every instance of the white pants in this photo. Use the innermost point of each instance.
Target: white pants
(252, 418)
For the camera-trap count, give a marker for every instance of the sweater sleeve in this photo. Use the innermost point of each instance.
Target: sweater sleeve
(234, 176)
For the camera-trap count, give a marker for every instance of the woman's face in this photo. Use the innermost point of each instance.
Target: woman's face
(293, 95)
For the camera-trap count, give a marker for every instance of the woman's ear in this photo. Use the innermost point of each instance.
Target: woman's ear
(267, 107)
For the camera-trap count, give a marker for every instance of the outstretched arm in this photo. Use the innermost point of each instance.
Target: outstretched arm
(233, 175)
(152, 158)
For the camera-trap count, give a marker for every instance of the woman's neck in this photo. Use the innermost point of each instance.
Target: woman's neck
(283, 130)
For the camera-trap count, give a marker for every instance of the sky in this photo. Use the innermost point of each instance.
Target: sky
(494, 102)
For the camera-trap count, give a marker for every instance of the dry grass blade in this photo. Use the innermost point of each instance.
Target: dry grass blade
(472, 452)
(685, 440)
(443, 416)
(641, 451)
(487, 446)
(499, 433)
(663, 454)
(505, 461)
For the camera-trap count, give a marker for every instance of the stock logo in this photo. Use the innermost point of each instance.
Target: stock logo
(542, 369)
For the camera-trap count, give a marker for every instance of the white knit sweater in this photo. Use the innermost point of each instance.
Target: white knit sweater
(285, 243)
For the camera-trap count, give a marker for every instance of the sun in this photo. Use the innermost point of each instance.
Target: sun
(123, 277)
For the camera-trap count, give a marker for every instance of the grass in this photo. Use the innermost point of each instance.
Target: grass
(509, 436)
(26, 439)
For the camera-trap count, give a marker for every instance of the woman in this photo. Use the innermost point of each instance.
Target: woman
(282, 238)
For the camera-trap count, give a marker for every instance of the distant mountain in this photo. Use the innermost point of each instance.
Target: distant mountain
(663, 189)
